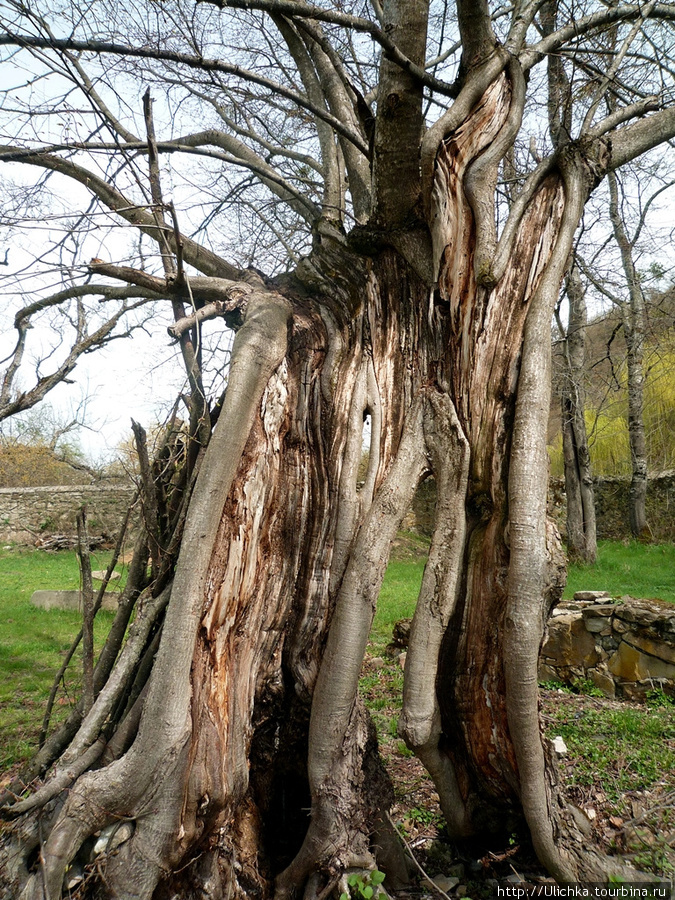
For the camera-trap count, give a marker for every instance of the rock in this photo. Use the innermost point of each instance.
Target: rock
(630, 664)
(547, 673)
(377, 662)
(99, 576)
(568, 643)
(402, 659)
(456, 871)
(574, 605)
(112, 837)
(597, 625)
(401, 633)
(609, 642)
(559, 746)
(598, 609)
(601, 678)
(70, 600)
(660, 649)
(445, 883)
(591, 595)
(637, 613)
(635, 691)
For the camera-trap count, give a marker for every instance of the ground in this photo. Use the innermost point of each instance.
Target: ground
(619, 768)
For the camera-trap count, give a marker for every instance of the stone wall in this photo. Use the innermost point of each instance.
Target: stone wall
(611, 507)
(27, 514)
(624, 647)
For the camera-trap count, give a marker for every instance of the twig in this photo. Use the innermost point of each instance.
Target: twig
(76, 641)
(87, 612)
(426, 877)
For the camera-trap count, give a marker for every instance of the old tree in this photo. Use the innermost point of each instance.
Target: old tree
(427, 212)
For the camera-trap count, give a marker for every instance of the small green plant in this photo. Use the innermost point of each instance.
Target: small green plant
(364, 885)
(658, 699)
(421, 816)
(587, 687)
(555, 686)
(403, 750)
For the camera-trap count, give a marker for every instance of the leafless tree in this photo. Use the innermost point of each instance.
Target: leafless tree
(580, 518)
(419, 290)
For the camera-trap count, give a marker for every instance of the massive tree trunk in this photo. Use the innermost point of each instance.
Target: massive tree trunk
(580, 524)
(233, 707)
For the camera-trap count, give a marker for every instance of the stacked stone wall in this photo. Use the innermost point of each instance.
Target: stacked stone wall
(28, 514)
(625, 647)
(612, 498)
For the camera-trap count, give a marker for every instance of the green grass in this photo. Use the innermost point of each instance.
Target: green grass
(641, 570)
(618, 749)
(33, 643)
(620, 755)
(398, 596)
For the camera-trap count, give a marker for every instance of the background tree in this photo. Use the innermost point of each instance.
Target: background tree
(41, 448)
(580, 518)
(415, 295)
(639, 313)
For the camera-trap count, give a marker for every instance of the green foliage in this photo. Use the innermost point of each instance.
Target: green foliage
(658, 699)
(607, 425)
(364, 885)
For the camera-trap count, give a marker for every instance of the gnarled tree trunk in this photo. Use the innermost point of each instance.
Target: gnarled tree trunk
(634, 328)
(232, 708)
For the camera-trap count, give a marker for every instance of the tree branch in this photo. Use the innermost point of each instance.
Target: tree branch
(192, 62)
(534, 54)
(293, 9)
(195, 254)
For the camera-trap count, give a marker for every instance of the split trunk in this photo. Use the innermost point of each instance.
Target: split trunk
(238, 759)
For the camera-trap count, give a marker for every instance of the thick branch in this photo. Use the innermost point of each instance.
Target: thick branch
(632, 141)
(527, 534)
(475, 28)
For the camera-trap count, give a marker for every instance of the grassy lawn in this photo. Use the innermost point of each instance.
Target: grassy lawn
(641, 570)
(33, 643)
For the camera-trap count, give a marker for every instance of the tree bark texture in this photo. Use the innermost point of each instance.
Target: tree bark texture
(248, 714)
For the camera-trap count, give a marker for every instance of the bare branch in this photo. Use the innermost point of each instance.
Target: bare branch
(193, 62)
(197, 255)
(607, 16)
